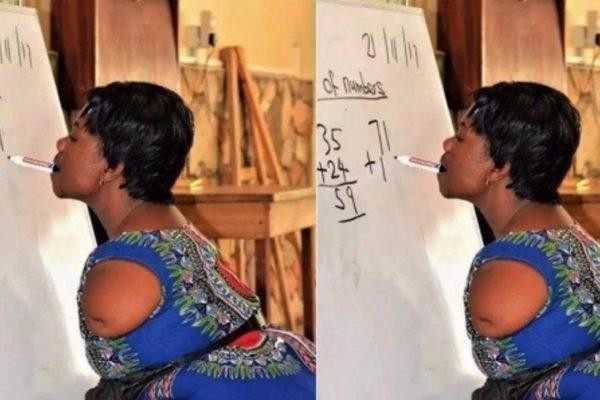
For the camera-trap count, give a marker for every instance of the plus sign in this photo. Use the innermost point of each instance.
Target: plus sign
(369, 162)
(322, 172)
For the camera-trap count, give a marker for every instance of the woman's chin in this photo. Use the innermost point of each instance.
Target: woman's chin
(442, 187)
(445, 194)
(58, 192)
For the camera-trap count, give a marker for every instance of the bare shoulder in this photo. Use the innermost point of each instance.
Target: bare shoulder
(118, 296)
(504, 296)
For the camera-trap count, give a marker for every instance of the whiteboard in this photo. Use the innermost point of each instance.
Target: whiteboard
(43, 241)
(393, 255)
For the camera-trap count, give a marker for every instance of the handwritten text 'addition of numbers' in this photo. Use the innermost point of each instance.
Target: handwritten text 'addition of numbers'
(334, 174)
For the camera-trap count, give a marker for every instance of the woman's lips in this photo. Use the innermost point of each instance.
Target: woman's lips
(442, 166)
(56, 167)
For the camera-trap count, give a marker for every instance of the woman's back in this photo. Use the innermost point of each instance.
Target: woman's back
(568, 324)
(201, 306)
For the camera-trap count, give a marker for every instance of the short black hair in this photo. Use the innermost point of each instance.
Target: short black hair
(534, 128)
(146, 127)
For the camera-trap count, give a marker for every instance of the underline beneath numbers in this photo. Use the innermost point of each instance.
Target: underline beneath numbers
(343, 221)
(351, 98)
(337, 184)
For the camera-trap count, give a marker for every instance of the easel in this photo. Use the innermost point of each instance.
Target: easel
(586, 100)
(266, 170)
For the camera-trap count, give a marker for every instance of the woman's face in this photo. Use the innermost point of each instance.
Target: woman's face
(467, 164)
(80, 162)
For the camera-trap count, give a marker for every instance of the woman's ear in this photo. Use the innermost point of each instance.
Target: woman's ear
(499, 174)
(114, 173)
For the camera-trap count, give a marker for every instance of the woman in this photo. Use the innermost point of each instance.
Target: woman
(533, 295)
(161, 314)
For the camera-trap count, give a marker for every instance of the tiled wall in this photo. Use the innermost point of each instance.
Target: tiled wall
(584, 91)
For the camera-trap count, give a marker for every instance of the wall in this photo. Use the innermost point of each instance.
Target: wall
(287, 103)
(586, 97)
(576, 14)
(584, 90)
(277, 35)
(430, 11)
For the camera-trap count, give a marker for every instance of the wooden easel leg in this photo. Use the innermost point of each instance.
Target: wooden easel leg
(240, 261)
(263, 248)
(259, 156)
(233, 104)
(308, 281)
(282, 282)
(250, 270)
(232, 100)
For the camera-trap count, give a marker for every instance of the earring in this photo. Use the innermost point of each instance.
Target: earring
(101, 182)
(487, 181)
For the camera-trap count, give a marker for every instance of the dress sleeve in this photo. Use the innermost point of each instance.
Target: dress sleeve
(140, 247)
(531, 248)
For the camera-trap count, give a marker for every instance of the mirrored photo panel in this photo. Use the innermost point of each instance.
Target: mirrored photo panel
(300, 199)
(457, 203)
(157, 180)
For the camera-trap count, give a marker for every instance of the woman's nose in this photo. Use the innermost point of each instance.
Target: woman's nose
(60, 144)
(447, 143)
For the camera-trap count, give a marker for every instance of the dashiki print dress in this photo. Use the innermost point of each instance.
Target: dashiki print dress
(566, 330)
(202, 302)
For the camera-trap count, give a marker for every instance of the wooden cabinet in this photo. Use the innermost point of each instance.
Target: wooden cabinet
(585, 208)
(100, 41)
(487, 41)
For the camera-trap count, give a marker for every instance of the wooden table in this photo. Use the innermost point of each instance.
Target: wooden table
(258, 213)
(584, 206)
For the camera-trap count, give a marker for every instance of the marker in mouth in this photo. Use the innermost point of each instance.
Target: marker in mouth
(420, 163)
(34, 163)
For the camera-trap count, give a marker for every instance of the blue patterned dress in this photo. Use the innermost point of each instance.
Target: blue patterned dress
(201, 302)
(567, 326)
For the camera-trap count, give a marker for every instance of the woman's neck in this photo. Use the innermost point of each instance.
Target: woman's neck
(506, 218)
(519, 214)
(115, 216)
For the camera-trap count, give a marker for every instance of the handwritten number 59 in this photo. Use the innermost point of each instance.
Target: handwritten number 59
(350, 194)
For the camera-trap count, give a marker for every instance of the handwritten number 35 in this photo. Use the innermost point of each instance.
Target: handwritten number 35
(332, 143)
